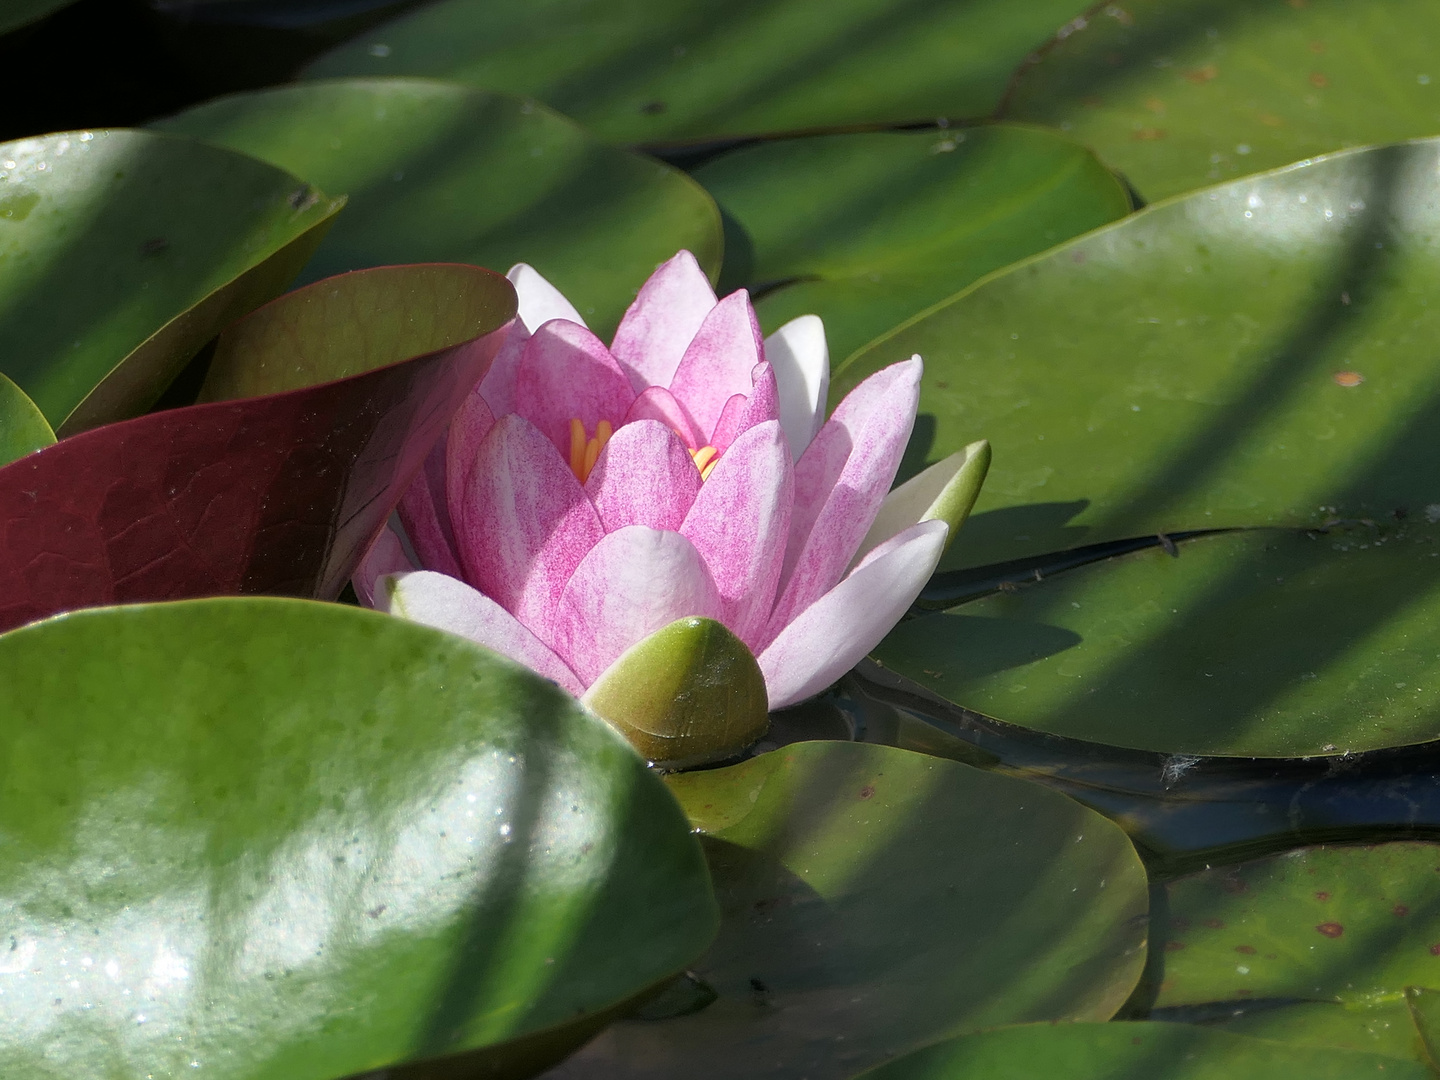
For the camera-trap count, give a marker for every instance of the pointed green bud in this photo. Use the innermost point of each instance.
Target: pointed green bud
(689, 694)
(946, 491)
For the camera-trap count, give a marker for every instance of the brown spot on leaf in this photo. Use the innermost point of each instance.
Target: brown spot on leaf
(1248, 950)
(1400, 910)
(1147, 134)
(1318, 80)
(867, 791)
(1317, 47)
(1215, 924)
(1201, 75)
(1348, 378)
(1331, 929)
(1322, 896)
(1174, 946)
(1155, 105)
(1435, 949)
(1270, 120)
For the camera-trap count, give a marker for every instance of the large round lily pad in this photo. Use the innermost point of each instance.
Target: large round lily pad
(1178, 94)
(1112, 1051)
(1273, 643)
(442, 173)
(123, 252)
(650, 70)
(1349, 924)
(874, 900)
(869, 229)
(1260, 353)
(1376, 1026)
(260, 838)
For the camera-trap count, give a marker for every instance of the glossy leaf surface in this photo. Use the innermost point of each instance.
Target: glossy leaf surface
(872, 228)
(441, 173)
(1261, 353)
(275, 494)
(1204, 653)
(1113, 1051)
(1350, 924)
(260, 838)
(22, 426)
(648, 70)
(1179, 95)
(123, 252)
(874, 900)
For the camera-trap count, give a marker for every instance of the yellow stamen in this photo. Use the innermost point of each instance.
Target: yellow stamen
(705, 460)
(585, 452)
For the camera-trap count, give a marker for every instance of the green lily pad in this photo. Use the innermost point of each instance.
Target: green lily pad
(1111, 1051)
(441, 173)
(872, 228)
(1374, 1027)
(649, 70)
(1349, 924)
(123, 252)
(262, 838)
(23, 428)
(1178, 95)
(17, 13)
(1257, 354)
(1270, 643)
(874, 900)
(1424, 1006)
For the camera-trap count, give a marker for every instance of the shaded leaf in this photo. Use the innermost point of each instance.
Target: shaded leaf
(275, 494)
(647, 70)
(1257, 354)
(123, 252)
(440, 173)
(1105, 1051)
(18, 13)
(1382, 1026)
(22, 427)
(262, 838)
(1179, 95)
(874, 900)
(871, 229)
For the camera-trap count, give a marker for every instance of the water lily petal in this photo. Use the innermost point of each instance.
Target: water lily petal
(946, 491)
(739, 523)
(801, 359)
(566, 372)
(425, 512)
(632, 583)
(657, 403)
(468, 428)
(830, 636)
(718, 362)
(643, 476)
(498, 385)
(524, 523)
(660, 324)
(840, 482)
(447, 604)
(386, 556)
(743, 413)
(539, 300)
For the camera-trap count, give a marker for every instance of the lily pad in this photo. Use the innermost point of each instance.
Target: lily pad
(1382, 1026)
(441, 173)
(865, 230)
(23, 427)
(1204, 653)
(1178, 95)
(1257, 354)
(874, 900)
(653, 71)
(123, 252)
(1424, 1006)
(257, 837)
(1105, 1051)
(274, 494)
(1348, 924)
(18, 13)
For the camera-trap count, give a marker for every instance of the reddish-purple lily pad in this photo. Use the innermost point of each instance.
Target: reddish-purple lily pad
(276, 494)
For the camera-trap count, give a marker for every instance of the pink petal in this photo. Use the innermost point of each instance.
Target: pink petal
(801, 360)
(447, 604)
(567, 373)
(525, 522)
(739, 523)
(468, 428)
(718, 362)
(498, 385)
(742, 413)
(643, 476)
(386, 556)
(840, 482)
(632, 583)
(657, 403)
(830, 636)
(424, 511)
(660, 324)
(539, 300)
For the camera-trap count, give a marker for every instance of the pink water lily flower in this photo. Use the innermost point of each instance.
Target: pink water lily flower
(586, 497)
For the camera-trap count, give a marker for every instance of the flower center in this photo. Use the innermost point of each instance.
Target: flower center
(584, 452)
(706, 458)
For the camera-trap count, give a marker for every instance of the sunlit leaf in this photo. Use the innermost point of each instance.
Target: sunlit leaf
(22, 426)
